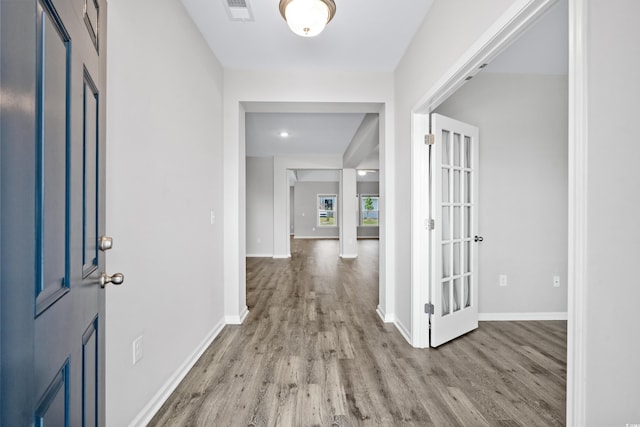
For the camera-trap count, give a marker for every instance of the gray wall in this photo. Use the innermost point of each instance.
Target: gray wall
(523, 187)
(164, 168)
(612, 290)
(259, 206)
(305, 209)
(368, 188)
(292, 215)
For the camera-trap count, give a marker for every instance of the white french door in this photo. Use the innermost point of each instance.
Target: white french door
(454, 206)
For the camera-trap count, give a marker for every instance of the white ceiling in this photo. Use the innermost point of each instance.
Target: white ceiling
(309, 133)
(367, 35)
(355, 41)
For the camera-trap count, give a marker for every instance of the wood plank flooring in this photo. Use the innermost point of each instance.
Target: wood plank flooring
(313, 352)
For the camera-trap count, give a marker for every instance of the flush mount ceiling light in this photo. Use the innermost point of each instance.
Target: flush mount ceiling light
(307, 18)
(284, 134)
(362, 172)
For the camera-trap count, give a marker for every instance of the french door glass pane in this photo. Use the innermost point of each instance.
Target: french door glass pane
(445, 185)
(457, 224)
(456, 259)
(446, 223)
(467, 222)
(456, 149)
(446, 148)
(445, 298)
(446, 260)
(467, 291)
(456, 294)
(467, 257)
(467, 187)
(456, 186)
(467, 152)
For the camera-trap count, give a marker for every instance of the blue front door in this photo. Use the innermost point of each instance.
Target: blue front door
(52, 212)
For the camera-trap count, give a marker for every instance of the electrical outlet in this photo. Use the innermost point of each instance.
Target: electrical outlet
(556, 281)
(137, 349)
(503, 280)
(213, 217)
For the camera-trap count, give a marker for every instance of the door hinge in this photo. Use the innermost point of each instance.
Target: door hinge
(429, 139)
(428, 308)
(429, 224)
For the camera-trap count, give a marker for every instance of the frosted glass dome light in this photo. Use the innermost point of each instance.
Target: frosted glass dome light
(307, 18)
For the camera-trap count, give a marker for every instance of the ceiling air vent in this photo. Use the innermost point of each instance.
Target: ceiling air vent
(238, 10)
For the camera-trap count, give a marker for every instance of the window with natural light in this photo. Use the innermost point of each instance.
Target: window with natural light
(368, 210)
(327, 210)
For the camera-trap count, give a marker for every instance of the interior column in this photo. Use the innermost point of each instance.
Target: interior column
(348, 207)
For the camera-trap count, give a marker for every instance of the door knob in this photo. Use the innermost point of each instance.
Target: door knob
(116, 279)
(478, 239)
(105, 243)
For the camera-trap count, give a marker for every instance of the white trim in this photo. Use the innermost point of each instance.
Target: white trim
(352, 256)
(506, 317)
(237, 320)
(282, 256)
(318, 237)
(151, 408)
(386, 318)
(259, 255)
(403, 330)
(578, 236)
(420, 242)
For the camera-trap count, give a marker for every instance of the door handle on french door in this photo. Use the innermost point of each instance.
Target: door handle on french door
(478, 239)
(116, 279)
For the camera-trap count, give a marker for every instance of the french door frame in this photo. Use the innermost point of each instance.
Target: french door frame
(518, 18)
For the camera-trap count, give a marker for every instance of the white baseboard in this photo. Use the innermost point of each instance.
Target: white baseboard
(386, 318)
(150, 409)
(391, 318)
(259, 255)
(352, 256)
(403, 331)
(239, 319)
(317, 237)
(281, 256)
(522, 316)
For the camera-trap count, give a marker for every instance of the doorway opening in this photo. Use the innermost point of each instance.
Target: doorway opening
(308, 170)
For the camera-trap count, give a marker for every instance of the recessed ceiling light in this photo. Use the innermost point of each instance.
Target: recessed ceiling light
(284, 134)
(362, 173)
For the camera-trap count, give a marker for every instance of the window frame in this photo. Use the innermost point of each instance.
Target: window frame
(362, 211)
(334, 209)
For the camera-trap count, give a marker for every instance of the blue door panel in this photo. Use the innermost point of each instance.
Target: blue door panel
(90, 163)
(53, 406)
(53, 145)
(90, 375)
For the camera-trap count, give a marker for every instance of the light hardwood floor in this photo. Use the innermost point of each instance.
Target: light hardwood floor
(314, 352)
